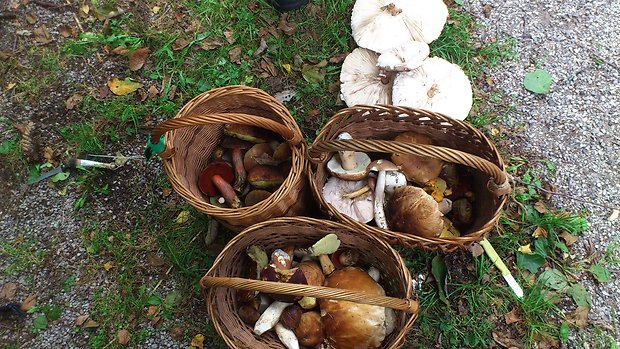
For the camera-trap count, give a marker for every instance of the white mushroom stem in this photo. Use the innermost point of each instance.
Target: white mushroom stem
(287, 337)
(347, 158)
(393, 180)
(326, 264)
(270, 317)
(380, 219)
(374, 273)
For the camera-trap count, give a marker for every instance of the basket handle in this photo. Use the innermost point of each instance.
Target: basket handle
(498, 184)
(225, 118)
(407, 305)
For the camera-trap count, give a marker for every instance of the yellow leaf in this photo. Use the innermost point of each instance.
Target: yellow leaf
(540, 231)
(527, 249)
(568, 237)
(85, 8)
(108, 265)
(10, 85)
(29, 302)
(198, 341)
(156, 9)
(123, 87)
(182, 217)
(287, 68)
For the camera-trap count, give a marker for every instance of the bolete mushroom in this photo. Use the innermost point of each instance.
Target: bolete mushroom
(359, 208)
(351, 325)
(362, 82)
(310, 331)
(438, 86)
(419, 169)
(405, 57)
(412, 210)
(388, 179)
(265, 177)
(247, 133)
(236, 146)
(255, 196)
(216, 179)
(260, 150)
(380, 25)
(349, 165)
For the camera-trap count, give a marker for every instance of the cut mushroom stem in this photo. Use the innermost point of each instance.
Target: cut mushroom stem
(347, 158)
(326, 264)
(240, 174)
(287, 337)
(396, 180)
(270, 317)
(354, 194)
(227, 191)
(380, 219)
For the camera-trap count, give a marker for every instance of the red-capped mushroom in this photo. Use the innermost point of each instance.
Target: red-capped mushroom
(216, 179)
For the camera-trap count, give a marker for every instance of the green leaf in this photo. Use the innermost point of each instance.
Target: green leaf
(600, 273)
(7, 147)
(258, 255)
(327, 245)
(459, 2)
(53, 313)
(314, 74)
(440, 273)
(554, 279)
(154, 300)
(580, 295)
(538, 81)
(40, 323)
(61, 176)
(541, 246)
(564, 332)
(530, 262)
(172, 299)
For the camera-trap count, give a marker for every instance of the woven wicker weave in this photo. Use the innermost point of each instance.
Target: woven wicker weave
(196, 130)
(233, 264)
(374, 127)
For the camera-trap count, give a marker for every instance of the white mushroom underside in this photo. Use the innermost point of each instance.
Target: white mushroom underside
(359, 208)
(438, 86)
(360, 80)
(375, 28)
(405, 57)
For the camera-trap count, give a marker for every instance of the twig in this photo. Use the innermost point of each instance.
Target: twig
(49, 5)
(110, 343)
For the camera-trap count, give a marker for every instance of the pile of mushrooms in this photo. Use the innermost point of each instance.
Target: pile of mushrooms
(309, 322)
(392, 66)
(247, 166)
(411, 194)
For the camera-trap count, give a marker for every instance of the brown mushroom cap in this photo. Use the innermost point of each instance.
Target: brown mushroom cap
(351, 325)
(419, 169)
(309, 331)
(412, 210)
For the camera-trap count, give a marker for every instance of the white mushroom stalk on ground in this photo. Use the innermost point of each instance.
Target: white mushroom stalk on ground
(380, 25)
(438, 86)
(362, 82)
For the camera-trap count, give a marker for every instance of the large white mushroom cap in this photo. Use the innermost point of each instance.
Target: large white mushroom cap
(405, 57)
(380, 25)
(438, 86)
(362, 82)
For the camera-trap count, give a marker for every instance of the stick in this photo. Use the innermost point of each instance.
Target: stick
(49, 5)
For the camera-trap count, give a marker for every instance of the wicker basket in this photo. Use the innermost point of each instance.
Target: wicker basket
(196, 130)
(232, 265)
(374, 127)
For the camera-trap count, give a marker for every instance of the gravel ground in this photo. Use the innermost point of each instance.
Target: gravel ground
(576, 125)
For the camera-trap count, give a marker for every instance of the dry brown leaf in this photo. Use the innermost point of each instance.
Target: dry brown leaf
(8, 291)
(579, 318)
(154, 260)
(198, 341)
(338, 58)
(67, 31)
(10, 86)
(108, 265)
(476, 250)
(123, 87)
(234, 55)
(153, 92)
(72, 101)
(485, 278)
(42, 35)
(120, 50)
(506, 341)
(166, 192)
(123, 337)
(80, 320)
(541, 207)
(29, 302)
(568, 238)
(512, 317)
(261, 48)
(229, 34)
(142, 96)
(31, 19)
(486, 10)
(85, 9)
(138, 58)
(48, 154)
(540, 231)
(211, 43)
(91, 324)
(176, 332)
(285, 26)
(268, 67)
(179, 44)
(103, 92)
(172, 92)
(153, 313)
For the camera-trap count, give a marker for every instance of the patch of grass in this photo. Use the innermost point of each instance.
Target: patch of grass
(36, 78)
(21, 254)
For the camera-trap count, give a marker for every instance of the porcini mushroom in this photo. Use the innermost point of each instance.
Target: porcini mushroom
(257, 151)
(236, 146)
(216, 179)
(310, 331)
(437, 85)
(412, 210)
(405, 57)
(380, 25)
(247, 133)
(265, 177)
(388, 179)
(351, 325)
(419, 169)
(349, 165)
(359, 208)
(362, 82)
(255, 196)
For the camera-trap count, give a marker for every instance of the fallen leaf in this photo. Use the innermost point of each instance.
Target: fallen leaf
(540, 231)
(123, 87)
(476, 250)
(153, 314)
(600, 272)
(103, 92)
(229, 34)
(268, 67)
(172, 92)
(48, 154)
(72, 101)
(614, 215)
(155, 9)
(568, 237)
(198, 341)
(211, 43)
(80, 320)
(166, 192)
(91, 324)
(8, 291)
(29, 302)
(31, 19)
(512, 317)
(67, 31)
(486, 10)
(176, 332)
(287, 68)
(183, 217)
(108, 265)
(138, 58)
(153, 92)
(179, 44)
(85, 9)
(142, 96)
(111, 238)
(527, 249)
(123, 337)
(154, 260)
(506, 341)
(42, 35)
(538, 81)
(285, 26)
(554, 279)
(314, 73)
(579, 318)
(580, 295)
(234, 55)
(440, 273)
(540, 207)
(120, 50)
(338, 58)
(10, 86)
(261, 48)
